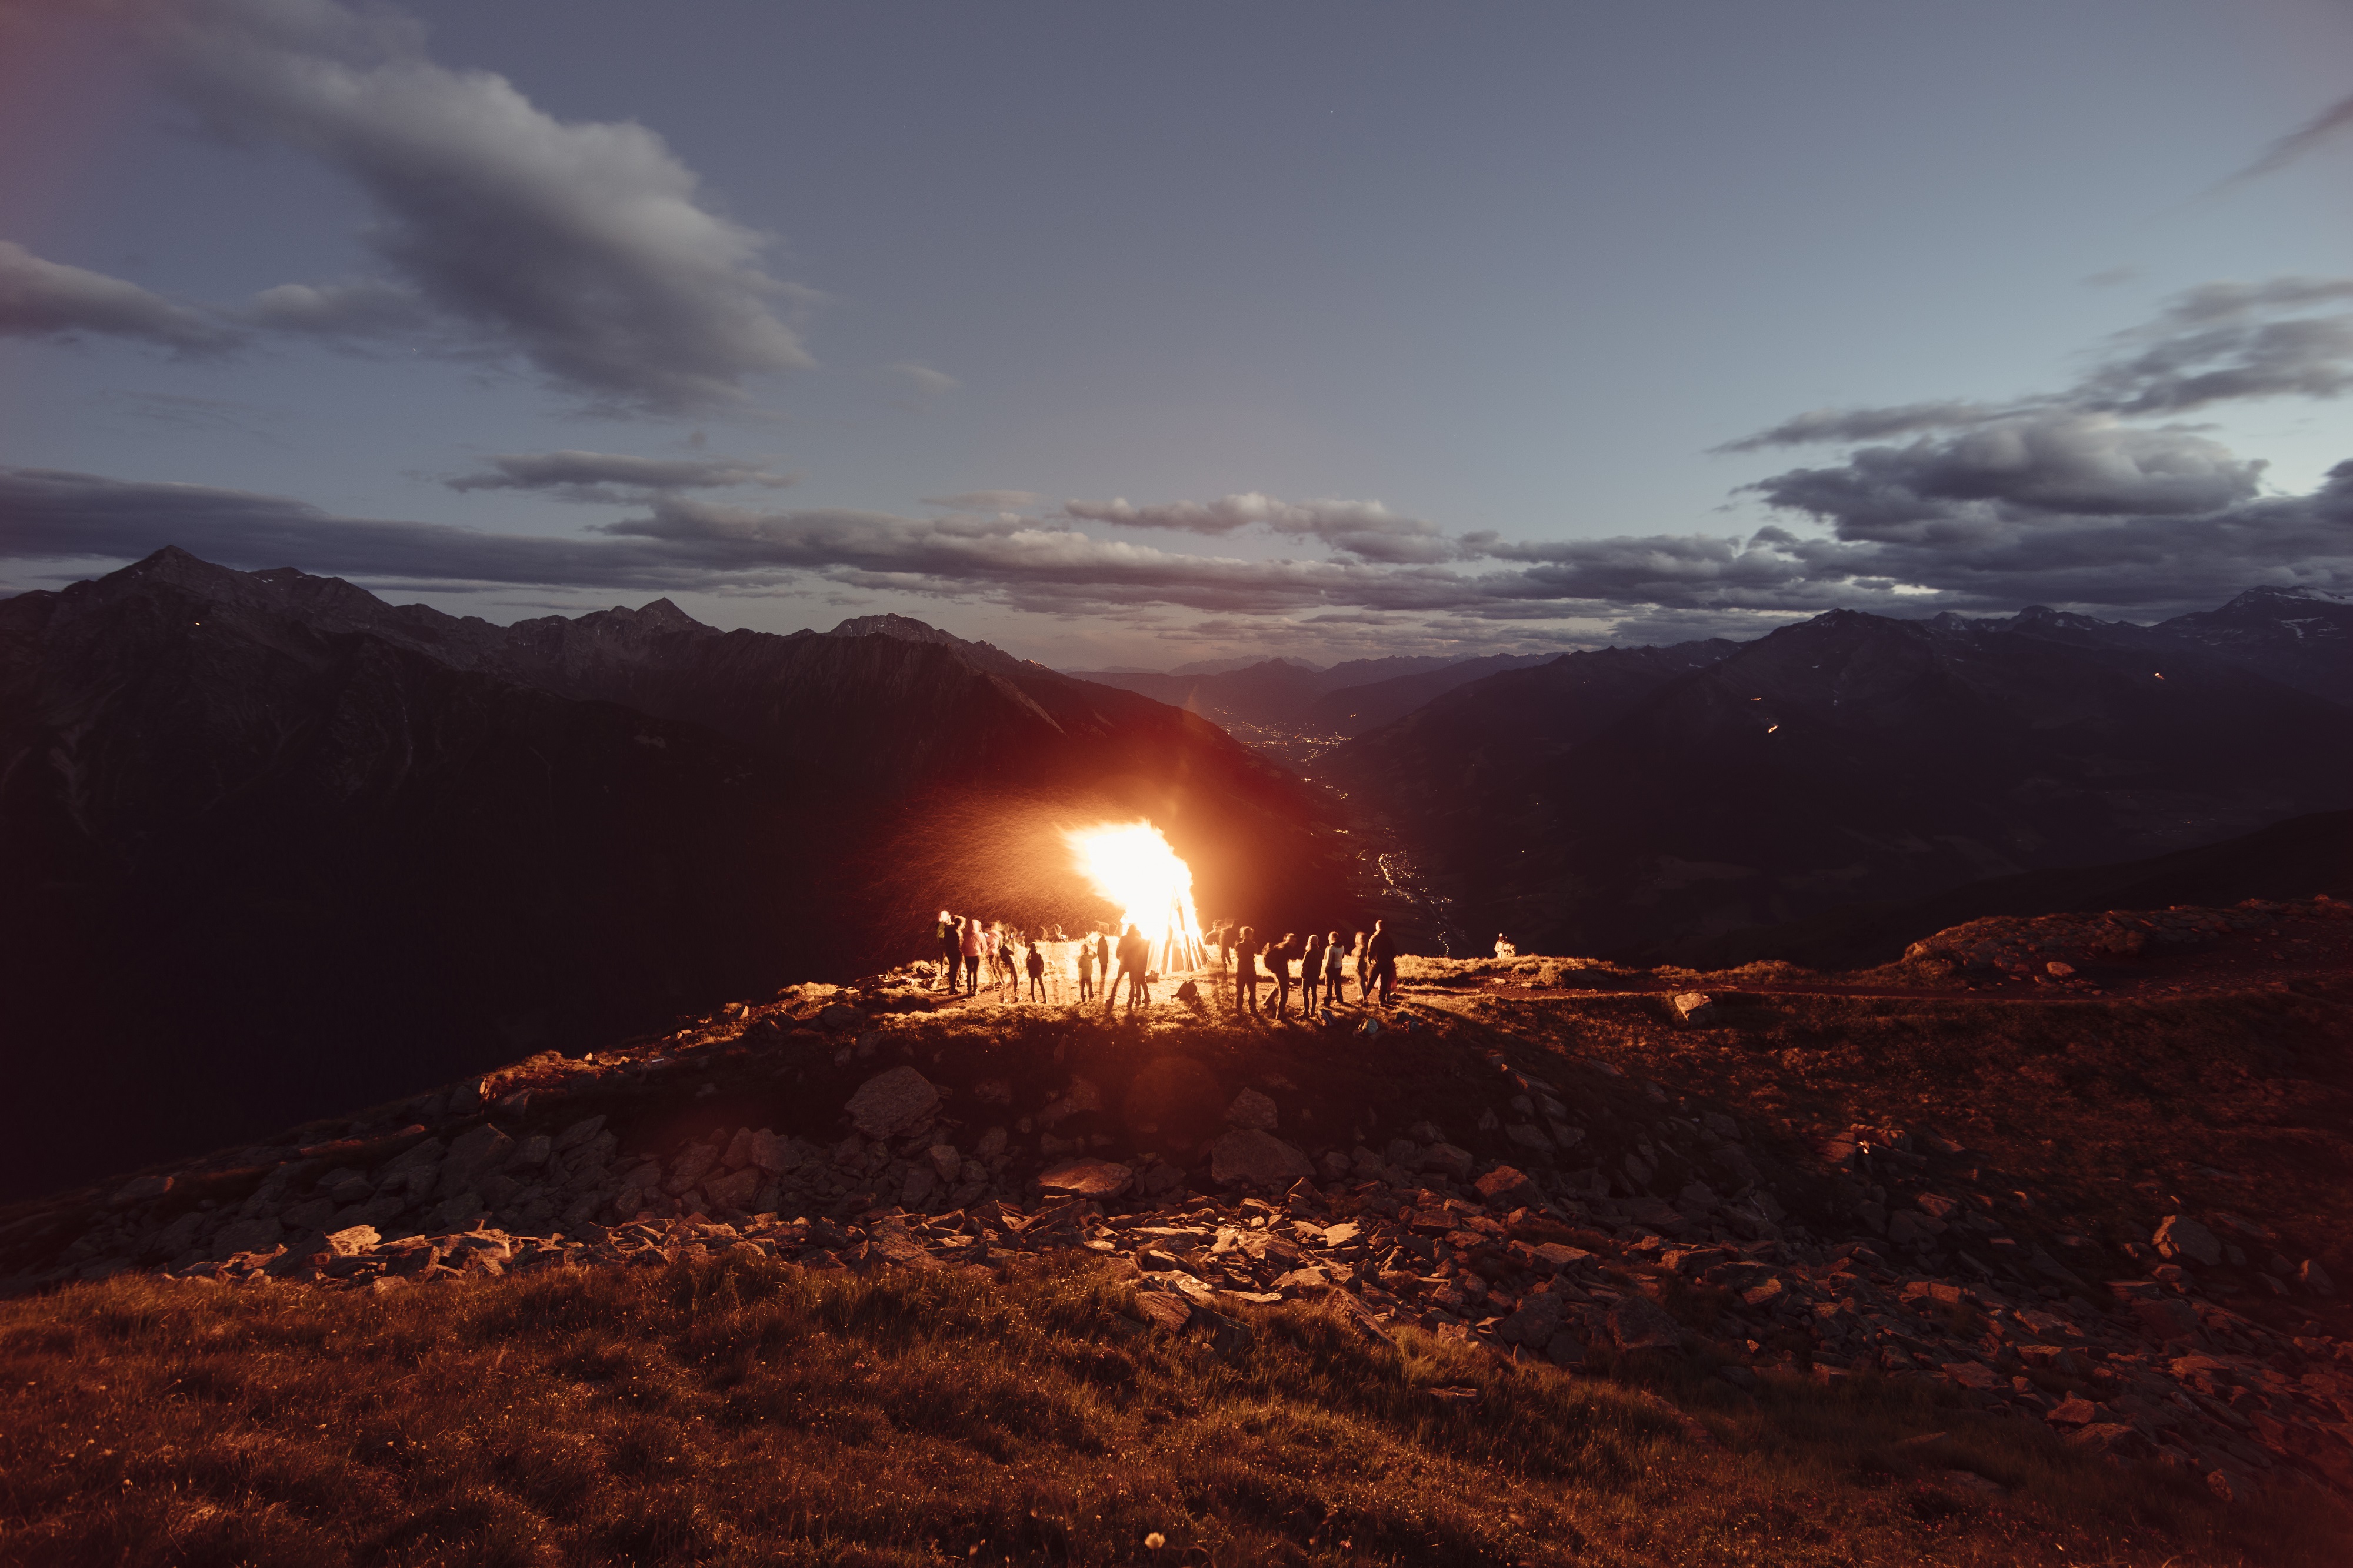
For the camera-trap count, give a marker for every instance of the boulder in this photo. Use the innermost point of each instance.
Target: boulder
(1087, 1178)
(837, 1016)
(2314, 1278)
(945, 1161)
(1528, 1135)
(1504, 1187)
(1694, 1006)
(1247, 1154)
(1535, 1322)
(1936, 1204)
(141, 1189)
(1638, 1324)
(1252, 1110)
(1357, 1318)
(475, 1153)
(351, 1240)
(2180, 1237)
(2167, 1319)
(579, 1133)
(2111, 1439)
(692, 1164)
(259, 1234)
(1565, 1349)
(734, 1190)
(1449, 1159)
(890, 1103)
(1163, 1310)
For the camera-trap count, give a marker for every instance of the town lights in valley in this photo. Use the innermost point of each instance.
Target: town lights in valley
(1130, 864)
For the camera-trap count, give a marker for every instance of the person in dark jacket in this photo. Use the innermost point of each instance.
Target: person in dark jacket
(1335, 970)
(1102, 964)
(944, 937)
(1381, 948)
(1279, 958)
(1134, 959)
(1246, 971)
(1311, 973)
(1036, 965)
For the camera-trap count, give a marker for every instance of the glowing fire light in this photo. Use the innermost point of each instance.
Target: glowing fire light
(1131, 864)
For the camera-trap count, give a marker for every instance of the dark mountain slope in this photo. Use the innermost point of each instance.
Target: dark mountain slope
(1357, 710)
(1848, 759)
(2286, 861)
(273, 845)
(2297, 636)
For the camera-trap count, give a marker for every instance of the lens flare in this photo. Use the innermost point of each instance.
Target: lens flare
(1130, 864)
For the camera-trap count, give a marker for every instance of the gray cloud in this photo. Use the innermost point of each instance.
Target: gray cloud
(587, 249)
(2218, 343)
(1832, 426)
(2312, 133)
(2056, 464)
(986, 500)
(611, 479)
(42, 299)
(369, 308)
(1366, 530)
(915, 386)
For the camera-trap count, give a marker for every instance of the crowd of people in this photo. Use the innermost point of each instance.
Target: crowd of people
(1319, 964)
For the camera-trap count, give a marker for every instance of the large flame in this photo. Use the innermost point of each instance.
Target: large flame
(1131, 864)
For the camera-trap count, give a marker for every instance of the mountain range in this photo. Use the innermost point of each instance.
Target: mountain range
(273, 844)
(1611, 802)
(1345, 699)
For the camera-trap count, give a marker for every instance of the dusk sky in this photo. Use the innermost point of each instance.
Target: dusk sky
(1139, 335)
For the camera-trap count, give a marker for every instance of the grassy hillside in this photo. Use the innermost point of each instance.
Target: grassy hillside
(734, 1409)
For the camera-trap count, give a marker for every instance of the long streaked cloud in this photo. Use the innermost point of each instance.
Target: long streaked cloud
(2322, 128)
(42, 299)
(613, 478)
(586, 251)
(2218, 343)
(1364, 529)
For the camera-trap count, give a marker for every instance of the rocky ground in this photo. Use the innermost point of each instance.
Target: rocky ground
(1548, 1158)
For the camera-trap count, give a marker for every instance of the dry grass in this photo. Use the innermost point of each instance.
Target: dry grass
(738, 1411)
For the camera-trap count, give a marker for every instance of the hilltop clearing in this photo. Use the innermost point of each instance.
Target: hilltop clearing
(1762, 1226)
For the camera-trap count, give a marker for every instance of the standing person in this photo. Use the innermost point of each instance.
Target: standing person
(1006, 975)
(969, 944)
(1103, 959)
(1335, 970)
(1311, 973)
(1381, 948)
(1278, 963)
(1036, 966)
(1134, 958)
(943, 938)
(1363, 970)
(1086, 971)
(1246, 972)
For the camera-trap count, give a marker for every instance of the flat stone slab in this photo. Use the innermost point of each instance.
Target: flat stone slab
(1087, 1178)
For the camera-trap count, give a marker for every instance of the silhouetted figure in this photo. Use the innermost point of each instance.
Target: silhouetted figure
(1381, 948)
(1102, 960)
(969, 943)
(1086, 972)
(1279, 957)
(950, 954)
(1246, 971)
(1036, 966)
(1009, 982)
(1311, 973)
(1364, 969)
(1134, 959)
(1335, 970)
